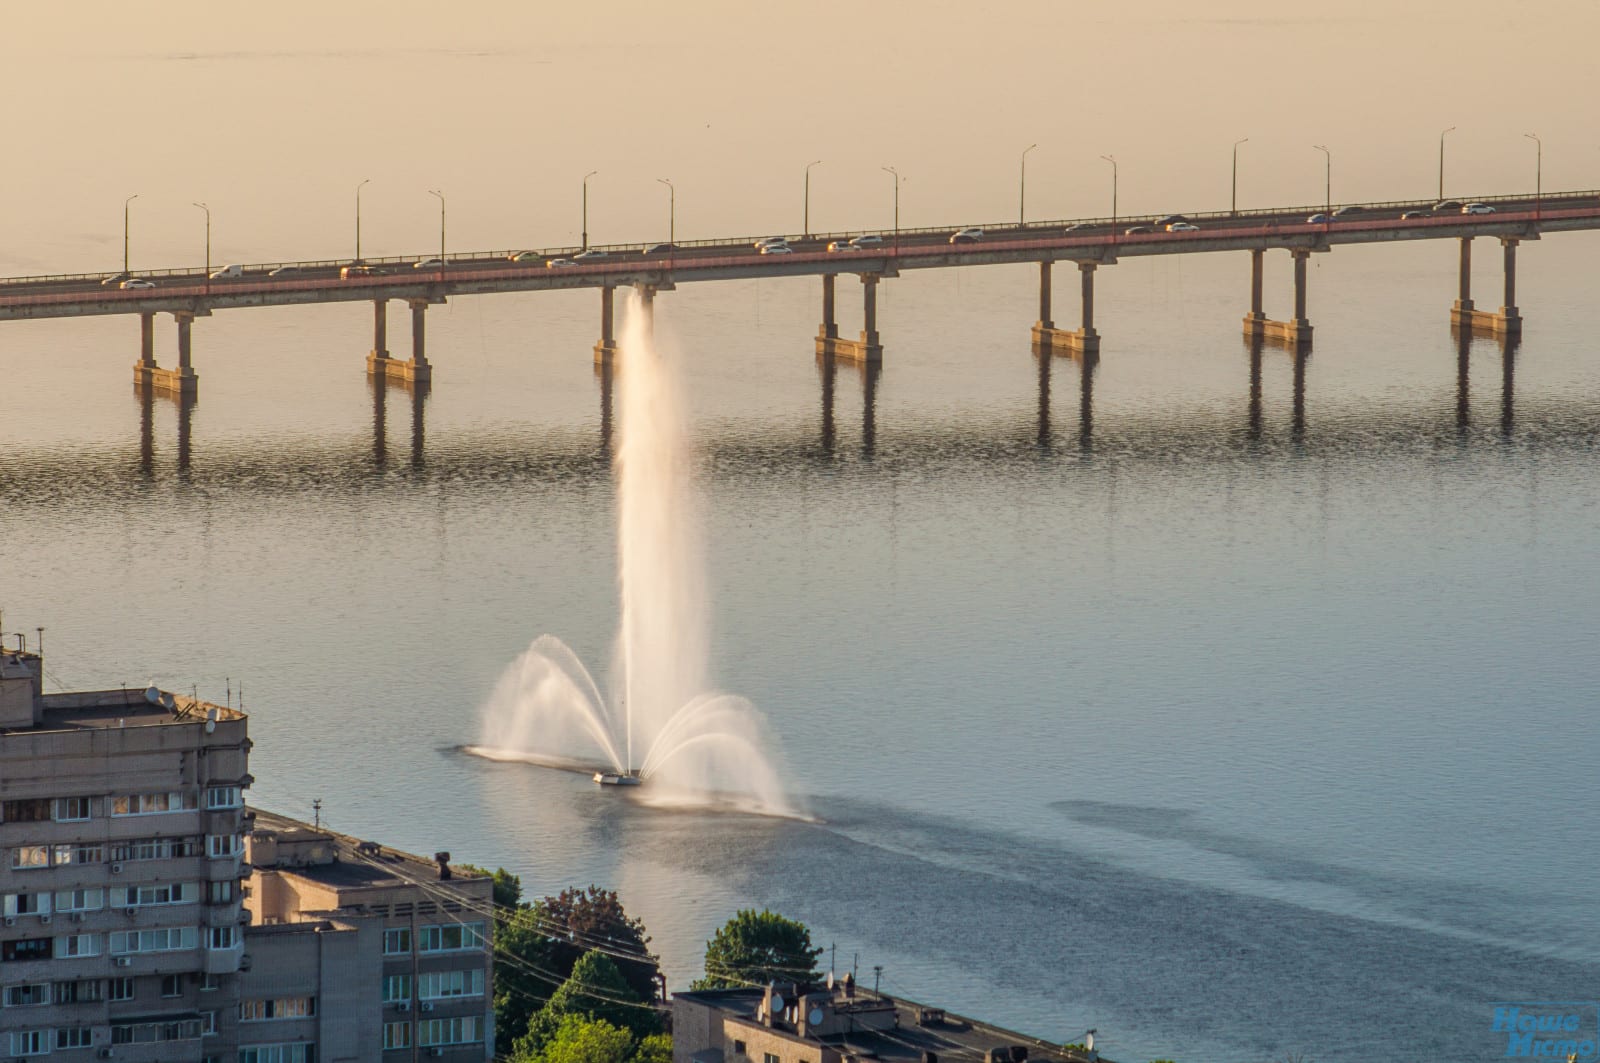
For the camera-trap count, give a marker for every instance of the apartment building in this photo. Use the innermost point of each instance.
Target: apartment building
(839, 1023)
(361, 952)
(121, 823)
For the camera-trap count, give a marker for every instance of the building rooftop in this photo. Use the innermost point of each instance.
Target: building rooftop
(336, 860)
(90, 709)
(863, 1025)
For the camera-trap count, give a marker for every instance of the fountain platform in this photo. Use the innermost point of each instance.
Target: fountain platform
(613, 778)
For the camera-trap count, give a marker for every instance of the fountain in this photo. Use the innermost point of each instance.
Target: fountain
(693, 746)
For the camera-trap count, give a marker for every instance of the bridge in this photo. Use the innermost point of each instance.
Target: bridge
(1089, 244)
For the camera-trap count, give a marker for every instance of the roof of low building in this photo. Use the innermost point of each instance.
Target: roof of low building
(345, 861)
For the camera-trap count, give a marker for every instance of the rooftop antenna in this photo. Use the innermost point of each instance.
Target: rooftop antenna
(833, 962)
(228, 680)
(316, 813)
(40, 630)
(877, 973)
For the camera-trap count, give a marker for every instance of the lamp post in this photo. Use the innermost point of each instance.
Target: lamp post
(672, 212)
(806, 224)
(586, 177)
(1022, 190)
(358, 220)
(207, 209)
(1327, 179)
(896, 174)
(1452, 129)
(1233, 202)
(125, 203)
(440, 196)
(1113, 163)
(1538, 172)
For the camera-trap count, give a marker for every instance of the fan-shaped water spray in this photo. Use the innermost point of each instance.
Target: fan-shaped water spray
(695, 746)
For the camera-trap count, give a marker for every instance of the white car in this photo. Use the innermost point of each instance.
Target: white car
(771, 241)
(870, 239)
(777, 249)
(843, 245)
(428, 263)
(136, 282)
(559, 263)
(1476, 208)
(228, 271)
(1182, 227)
(283, 270)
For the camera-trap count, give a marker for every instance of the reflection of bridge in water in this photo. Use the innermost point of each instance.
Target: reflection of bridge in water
(397, 406)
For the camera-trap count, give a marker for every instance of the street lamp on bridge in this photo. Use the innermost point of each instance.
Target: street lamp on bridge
(1327, 179)
(1452, 129)
(806, 223)
(586, 177)
(896, 174)
(1538, 172)
(440, 196)
(1113, 163)
(672, 212)
(1022, 192)
(364, 181)
(125, 203)
(207, 209)
(1233, 202)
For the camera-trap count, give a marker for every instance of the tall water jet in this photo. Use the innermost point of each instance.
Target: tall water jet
(694, 745)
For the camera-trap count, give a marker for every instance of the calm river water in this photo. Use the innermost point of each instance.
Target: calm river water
(1226, 735)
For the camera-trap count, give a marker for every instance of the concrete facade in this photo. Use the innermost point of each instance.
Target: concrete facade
(120, 827)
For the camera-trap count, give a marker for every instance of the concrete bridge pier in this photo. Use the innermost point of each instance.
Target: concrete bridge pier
(606, 349)
(379, 361)
(869, 348)
(181, 381)
(1507, 321)
(1046, 337)
(1295, 332)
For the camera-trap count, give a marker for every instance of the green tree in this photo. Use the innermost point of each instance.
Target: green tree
(657, 1048)
(578, 1040)
(577, 921)
(596, 991)
(754, 948)
(507, 887)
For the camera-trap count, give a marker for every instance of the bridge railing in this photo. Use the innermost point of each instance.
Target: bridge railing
(1036, 228)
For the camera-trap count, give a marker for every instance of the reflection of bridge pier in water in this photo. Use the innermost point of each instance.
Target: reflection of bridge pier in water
(1255, 344)
(1087, 362)
(869, 372)
(185, 402)
(418, 391)
(1507, 344)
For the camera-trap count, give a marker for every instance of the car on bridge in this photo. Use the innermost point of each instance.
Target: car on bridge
(1137, 230)
(1318, 218)
(115, 278)
(867, 240)
(592, 252)
(358, 269)
(282, 270)
(1477, 208)
(234, 270)
(966, 236)
(428, 263)
(1411, 214)
(1345, 212)
(661, 249)
(1182, 227)
(1446, 204)
(771, 241)
(843, 245)
(777, 249)
(136, 282)
(1169, 220)
(524, 256)
(559, 263)
(1078, 227)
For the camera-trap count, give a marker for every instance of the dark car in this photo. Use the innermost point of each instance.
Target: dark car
(1318, 218)
(1345, 212)
(1170, 219)
(660, 249)
(1447, 205)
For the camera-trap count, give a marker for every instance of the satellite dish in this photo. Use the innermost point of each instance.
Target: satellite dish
(777, 1002)
(152, 693)
(814, 1017)
(169, 701)
(830, 979)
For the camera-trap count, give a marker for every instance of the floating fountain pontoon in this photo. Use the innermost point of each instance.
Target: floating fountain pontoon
(612, 778)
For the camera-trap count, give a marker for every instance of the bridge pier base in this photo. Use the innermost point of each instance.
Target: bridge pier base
(606, 349)
(147, 375)
(1507, 321)
(1296, 332)
(381, 364)
(1046, 337)
(868, 349)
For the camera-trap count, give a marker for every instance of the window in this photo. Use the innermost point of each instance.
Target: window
(769, 1057)
(439, 984)
(151, 804)
(220, 892)
(218, 845)
(277, 1008)
(78, 853)
(161, 939)
(25, 904)
(138, 896)
(139, 1033)
(74, 1036)
(738, 1048)
(282, 1053)
(172, 985)
(89, 900)
(75, 946)
(396, 1035)
(396, 987)
(208, 1022)
(25, 949)
(154, 849)
(35, 810)
(69, 809)
(463, 1030)
(396, 941)
(28, 857)
(221, 937)
(30, 1042)
(26, 996)
(450, 937)
(210, 983)
(80, 992)
(120, 989)
(223, 797)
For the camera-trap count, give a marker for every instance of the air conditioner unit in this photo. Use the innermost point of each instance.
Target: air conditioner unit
(402, 1005)
(122, 961)
(427, 1005)
(76, 917)
(116, 869)
(44, 919)
(130, 910)
(11, 920)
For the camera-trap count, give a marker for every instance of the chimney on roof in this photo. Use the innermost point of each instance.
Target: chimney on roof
(21, 689)
(444, 865)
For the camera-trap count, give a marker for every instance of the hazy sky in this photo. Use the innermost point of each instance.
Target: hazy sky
(273, 114)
